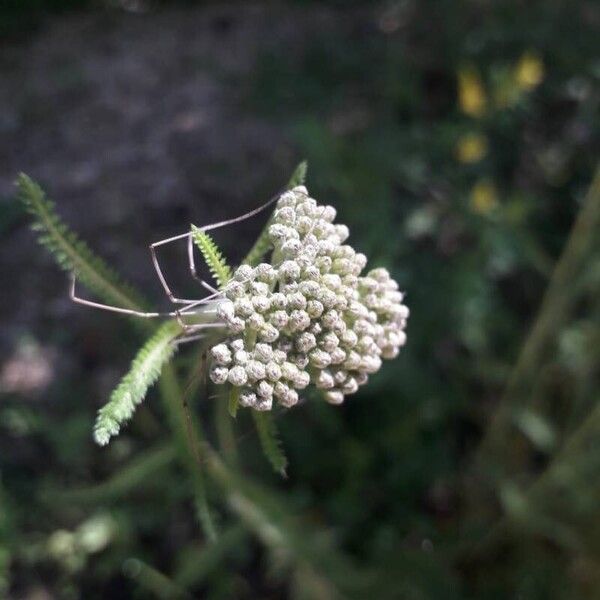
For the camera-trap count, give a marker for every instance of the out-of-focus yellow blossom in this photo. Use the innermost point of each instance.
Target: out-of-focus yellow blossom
(471, 147)
(529, 71)
(484, 198)
(471, 94)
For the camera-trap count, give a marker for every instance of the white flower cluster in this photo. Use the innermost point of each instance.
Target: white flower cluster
(309, 317)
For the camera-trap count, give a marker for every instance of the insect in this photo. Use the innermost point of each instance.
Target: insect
(186, 306)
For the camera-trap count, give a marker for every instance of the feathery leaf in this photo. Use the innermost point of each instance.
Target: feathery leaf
(145, 370)
(270, 441)
(71, 253)
(212, 255)
(298, 176)
(263, 243)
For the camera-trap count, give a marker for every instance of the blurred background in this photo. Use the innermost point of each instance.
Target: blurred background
(458, 142)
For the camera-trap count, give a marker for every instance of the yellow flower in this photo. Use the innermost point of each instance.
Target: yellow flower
(471, 95)
(529, 71)
(484, 198)
(471, 147)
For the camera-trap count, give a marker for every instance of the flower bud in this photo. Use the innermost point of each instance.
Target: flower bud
(237, 376)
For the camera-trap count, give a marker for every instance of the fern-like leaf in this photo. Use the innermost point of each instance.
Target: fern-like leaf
(270, 441)
(298, 176)
(263, 243)
(212, 255)
(145, 370)
(71, 253)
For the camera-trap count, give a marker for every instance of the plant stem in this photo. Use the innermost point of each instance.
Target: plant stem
(187, 443)
(557, 302)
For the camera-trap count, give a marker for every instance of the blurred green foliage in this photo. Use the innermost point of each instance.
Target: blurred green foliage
(457, 140)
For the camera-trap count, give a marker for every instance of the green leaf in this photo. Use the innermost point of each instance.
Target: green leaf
(298, 176)
(270, 441)
(263, 243)
(212, 255)
(71, 253)
(145, 370)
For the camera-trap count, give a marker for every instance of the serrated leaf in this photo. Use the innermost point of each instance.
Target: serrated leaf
(71, 253)
(263, 243)
(270, 441)
(145, 370)
(298, 176)
(213, 256)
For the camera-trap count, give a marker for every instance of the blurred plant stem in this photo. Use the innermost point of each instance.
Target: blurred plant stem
(187, 442)
(491, 456)
(556, 474)
(558, 300)
(260, 511)
(155, 582)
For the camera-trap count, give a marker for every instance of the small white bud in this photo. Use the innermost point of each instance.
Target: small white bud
(303, 225)
(300, 360)
(273, 371)
(330, 318)
(338, 356)
(264, 389)
(225, 310)
(237, 376)
(289, 399)
(296, 301)
(291, 248)
(324, 263)
(243, 273)
(268, 333)
(243, 307)
(334, 397)
(241, 357)
(287, 199)
(218, 375)
(319, 358)
(261, 303)
(264, 404)
(286, 215)
(289, 370)
(255, 321)
(305, 342)
(289, 269)
(311, 272)
(279, 319)
(255, 370)
(349, 338)
(325, 380)
(234, 289)
(237, 344)
(342, 232)
(221, 354)
(350, 386)
(278, 301)
(247, 398)
(299, 320)
(279, 356)
(314, 308)
(236, 325)
(340, 376)
(329, 341)
(301, 380)
(265, 273)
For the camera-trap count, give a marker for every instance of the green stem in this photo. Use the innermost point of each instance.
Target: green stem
(585, 434)
(556, 304)
(225, 431)
(155, 582)
(187, 443)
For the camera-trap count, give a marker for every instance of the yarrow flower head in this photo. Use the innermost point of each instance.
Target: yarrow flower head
(309, 316)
